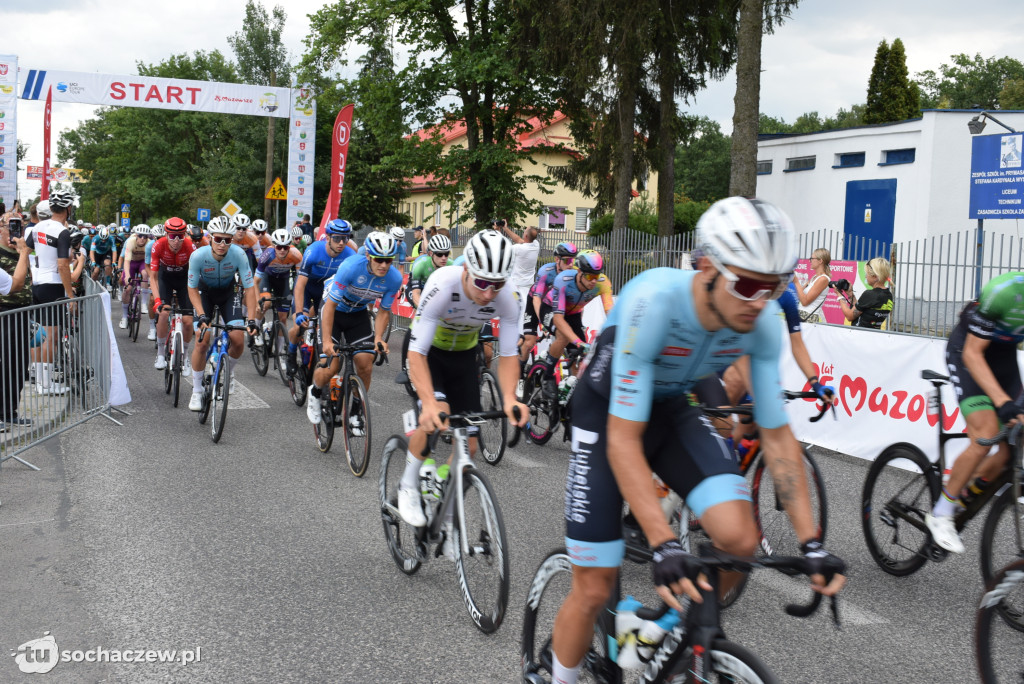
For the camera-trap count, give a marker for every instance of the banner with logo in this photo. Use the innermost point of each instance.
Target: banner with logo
(156, 93)
(44, 191)
(8, 129)
(853, 271)
(301, 151)
(58, 174)
(339, 157)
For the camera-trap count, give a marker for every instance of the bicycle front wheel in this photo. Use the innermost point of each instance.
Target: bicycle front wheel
(204, 412)
(483, 571)
(168, 371)
(297, 384)
(493, 433)
(998, 641)
(551, 584)
(401, 536)
(221, 392)
(774, 527)
(355, 415)
(324, 430)
(543, 409)
(730, 663)
(280, 354)
(179, 356)
(1001, 546)
(899, 491)
(260, 354)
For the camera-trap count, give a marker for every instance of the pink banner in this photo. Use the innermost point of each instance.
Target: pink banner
(44, 192)
(339, 157)
(830, 311)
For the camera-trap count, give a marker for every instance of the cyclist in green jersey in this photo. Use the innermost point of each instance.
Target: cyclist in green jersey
(982, 358)
(439, 249)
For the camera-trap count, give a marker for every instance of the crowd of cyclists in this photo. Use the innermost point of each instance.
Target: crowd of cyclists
(713, 332)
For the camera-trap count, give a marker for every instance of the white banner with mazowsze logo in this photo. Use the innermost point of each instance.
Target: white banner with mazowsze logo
(155, 93)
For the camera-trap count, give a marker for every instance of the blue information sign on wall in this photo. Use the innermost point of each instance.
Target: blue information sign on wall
(997, 176)
(202, 214)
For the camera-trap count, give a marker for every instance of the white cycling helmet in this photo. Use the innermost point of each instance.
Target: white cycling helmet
(259, 225)
(439, 243)
(281, 237)
(141, 229)
(380, 244)
(222, 226)
(61, 199)
(489, 255)
(748, 233)
(158, 231)
(240, 221)
(398, 233)
(43, 210)
(296, 233)
(104, 232)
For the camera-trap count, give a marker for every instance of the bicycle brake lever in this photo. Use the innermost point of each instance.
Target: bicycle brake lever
(803, 611)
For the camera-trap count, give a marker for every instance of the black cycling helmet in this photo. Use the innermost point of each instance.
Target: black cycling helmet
(566, 249)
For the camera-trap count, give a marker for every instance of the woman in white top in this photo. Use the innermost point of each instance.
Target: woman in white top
(813, 293)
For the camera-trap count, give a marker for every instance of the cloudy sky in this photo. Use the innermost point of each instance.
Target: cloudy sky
(819, 60)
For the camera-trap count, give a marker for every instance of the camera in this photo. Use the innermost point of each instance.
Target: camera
(842, 284)
(14, 227)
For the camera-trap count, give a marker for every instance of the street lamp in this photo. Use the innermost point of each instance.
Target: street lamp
(977, 124)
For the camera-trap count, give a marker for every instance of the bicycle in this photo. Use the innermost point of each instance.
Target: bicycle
(902, 486)
(479, 540)
(267, 348)
(174, 353)
(549, 397)
(348, 406)
(135, 308)
(692, 651)
(998, 634)
(493, 436)
(276, 334)
(216, 377)
(308, 355)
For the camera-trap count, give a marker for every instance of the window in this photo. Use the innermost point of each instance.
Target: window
(582, 219)
(437, 214)
(764, 168)
(556, 218)
(800, 163)
(906, 156)
(849, 159)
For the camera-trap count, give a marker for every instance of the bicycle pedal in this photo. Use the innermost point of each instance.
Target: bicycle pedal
(936, 553)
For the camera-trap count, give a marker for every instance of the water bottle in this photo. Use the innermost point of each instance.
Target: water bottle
(428, 479)
(627, 625)
(305, 356)
(653, 631)
(565, 388)
(746, 450)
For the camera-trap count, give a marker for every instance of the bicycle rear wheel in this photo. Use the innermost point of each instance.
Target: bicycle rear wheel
(221, 392)
(297, 385)
(1001, 546)
(483, 573)
(260, 353)
(324, 430)
(357, 446)
(493, 433)
(730, 663)
(167, 368)
(179, 359)
(774, 527)
(543, 410)
(899, 491)
(550, 586)
(999, 642)
(402, 538)
(280, 352)
(204, 412)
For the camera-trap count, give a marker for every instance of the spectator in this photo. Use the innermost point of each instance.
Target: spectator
(525, 251)
(33, 216)
(812, 295)
(417, 243)
(14, 327)
(874, 305)
(307, 226)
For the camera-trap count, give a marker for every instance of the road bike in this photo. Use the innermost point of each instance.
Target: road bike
(467, 501)
(307, 355)
(998, 634)
(216, 377)
(273, 337)
(493, 435)
(695, 650)
(347, 406)
(902, 486)
(135, 308)
(549, 397)
(174, 353)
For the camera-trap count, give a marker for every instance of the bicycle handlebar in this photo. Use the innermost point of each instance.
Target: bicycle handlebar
(221, 326)
(748, 409)
(463, 420)
(1011, 434)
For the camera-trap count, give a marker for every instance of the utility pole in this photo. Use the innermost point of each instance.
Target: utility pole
(269, 178)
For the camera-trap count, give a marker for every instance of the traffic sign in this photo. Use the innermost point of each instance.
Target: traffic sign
(231, 208)
(125, 222)
(277, 191)
(125, 208)
(202, 214)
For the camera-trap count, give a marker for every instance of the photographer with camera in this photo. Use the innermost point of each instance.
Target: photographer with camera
(15, 298)
(812, 295)
(874, 305)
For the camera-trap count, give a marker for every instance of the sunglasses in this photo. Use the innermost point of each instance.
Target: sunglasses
(382, 260)
(567, 260)
(753, 289)
(337, 238)
(483, 284)
(220, 240)
(175, 237)
(443, 255)
(282, 248)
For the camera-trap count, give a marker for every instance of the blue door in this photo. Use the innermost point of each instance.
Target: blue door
(870, 217)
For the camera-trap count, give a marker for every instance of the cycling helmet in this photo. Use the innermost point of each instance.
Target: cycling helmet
(296, 233)
(338, 227)
(747, 233)
(158, 225)
(61, 200)
(79, 222)
(76, 240)
(398, 233)
(306, 240)
(215, 222)
(222, 226)
(112, 227)
(380, 244)
(439, 243)
(489, 255)
(195, 231)
(565, 249)
(141, 229)
(104, 233)
(589, 261)
(240, 221)
(281, 237)
(175, 225)
(158, 231)
(43, 210)
(259, 225)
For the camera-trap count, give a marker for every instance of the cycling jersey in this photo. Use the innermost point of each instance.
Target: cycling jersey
(102, 247)
(565, 296)
(161, 257)
(448, 319)
(149, 250)
(270, 264)
(421, 269)
(134, 251)
(998, 315)
(662, 350)
(50, 241)
(318, 266)
(205, 270)
(875, 306)
(265, 241)
(86, 244)
(119, 241)
(353, 287)
(545, 277)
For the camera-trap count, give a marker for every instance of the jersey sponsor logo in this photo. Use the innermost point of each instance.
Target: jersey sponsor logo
(676, 351)
(736, 351)
(455, 296)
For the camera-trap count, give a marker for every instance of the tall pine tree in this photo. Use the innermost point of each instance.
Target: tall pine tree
(892, 96)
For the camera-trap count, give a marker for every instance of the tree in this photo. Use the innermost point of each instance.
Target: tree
(702, 161)
(756, 17)
(1012, 94)
(968, 82)
(891, 94)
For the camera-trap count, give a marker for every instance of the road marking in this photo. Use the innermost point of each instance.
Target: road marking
(243, 398)
(797, 590)
(30, 522)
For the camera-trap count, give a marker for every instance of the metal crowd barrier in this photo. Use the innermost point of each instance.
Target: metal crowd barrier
(54, 371)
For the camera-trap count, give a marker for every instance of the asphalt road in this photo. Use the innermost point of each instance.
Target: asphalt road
(270, 557)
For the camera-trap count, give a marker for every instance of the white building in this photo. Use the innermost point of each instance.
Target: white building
(891, 182)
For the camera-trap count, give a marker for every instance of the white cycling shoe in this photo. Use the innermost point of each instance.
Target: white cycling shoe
(943, 530)
(151, 335)
(196, 402)
(410, 507)
(160, 363)
(123, 324)
(312, 407)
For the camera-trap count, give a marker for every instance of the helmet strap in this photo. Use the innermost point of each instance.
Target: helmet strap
(711, 299)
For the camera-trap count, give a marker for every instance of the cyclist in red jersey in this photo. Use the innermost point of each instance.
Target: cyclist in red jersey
(168, 277)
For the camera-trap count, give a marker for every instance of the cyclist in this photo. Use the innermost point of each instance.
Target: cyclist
(982, 358)
(155, 233)
(211, 283)
(631, 416)
(442, 352)
(168, 277)
(272, 272)
(359, 282)
(199, 239)
(259, 228)
(399, 235)
(102, 254)
(133, 263)
(439, 250)
(120, 235)
(319, 263)
(297, 241)
(565, 255)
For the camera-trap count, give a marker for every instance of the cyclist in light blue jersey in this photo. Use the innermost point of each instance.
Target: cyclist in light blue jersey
(631, 418)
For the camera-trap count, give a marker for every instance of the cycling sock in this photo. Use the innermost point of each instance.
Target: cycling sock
(315, 391)
(231, 364)
(161, 347)
(197, 381)
(549, 363)
(411, 476)
(945, 506)
(292, 347)
(561, 674)
(124, 309)
(152, 324)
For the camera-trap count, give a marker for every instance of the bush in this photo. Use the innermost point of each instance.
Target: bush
(643, 219)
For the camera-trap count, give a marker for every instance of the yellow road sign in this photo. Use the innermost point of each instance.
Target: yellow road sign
(277, 191)
(231, 208)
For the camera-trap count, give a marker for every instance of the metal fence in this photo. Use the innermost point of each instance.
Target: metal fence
(54, 371)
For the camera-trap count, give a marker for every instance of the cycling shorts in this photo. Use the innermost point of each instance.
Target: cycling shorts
(349, 327)
(575, 322)
(311, 300)
(175, 284)
(455, 377)
(277, 286)
(531, 323)
(138, 268)
(44, 293)
(1001, 359)
(225, 301)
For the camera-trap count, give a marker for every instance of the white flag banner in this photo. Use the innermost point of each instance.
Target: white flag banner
(301, 151)
(8, 129)
(156, 93)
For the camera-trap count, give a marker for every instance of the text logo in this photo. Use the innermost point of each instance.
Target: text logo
(342, 133)
(38, 656)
